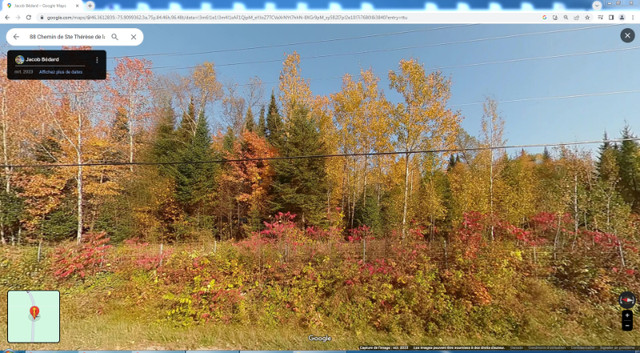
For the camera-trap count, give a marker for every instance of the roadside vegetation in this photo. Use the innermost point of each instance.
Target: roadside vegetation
(351, 215)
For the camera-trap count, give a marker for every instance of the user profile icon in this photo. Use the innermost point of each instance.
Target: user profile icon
(19, 59)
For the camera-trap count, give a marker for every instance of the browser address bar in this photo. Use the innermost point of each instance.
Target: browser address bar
(74, 37)
(223, 17)
(320, 16)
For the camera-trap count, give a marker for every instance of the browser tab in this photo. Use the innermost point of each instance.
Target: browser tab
(43, 5)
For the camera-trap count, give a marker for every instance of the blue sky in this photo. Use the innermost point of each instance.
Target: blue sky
(526, 121)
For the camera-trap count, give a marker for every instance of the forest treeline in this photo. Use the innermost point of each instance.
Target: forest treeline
(182, 157)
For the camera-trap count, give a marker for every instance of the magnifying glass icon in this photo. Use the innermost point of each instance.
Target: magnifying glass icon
(114, 36)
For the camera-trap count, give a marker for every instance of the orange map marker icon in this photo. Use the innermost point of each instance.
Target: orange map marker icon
(34, 311)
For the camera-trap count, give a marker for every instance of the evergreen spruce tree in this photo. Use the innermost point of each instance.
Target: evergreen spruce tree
(11, 209)
(188, 123)
(164, 148)
(629, 165)
(609, 211)
(275, 126)
(118, 135)
(228, 140)
(370, 215)
(606, 165)
(120, 126)
(196, 175)
(249, 122)
(47, 149)
(262, 124)
(300, 185)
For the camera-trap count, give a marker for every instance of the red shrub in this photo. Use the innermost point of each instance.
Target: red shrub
(83, 260)
(357, 234)
(319, 234)
(148, 258)
(470, 232)
(282, 228)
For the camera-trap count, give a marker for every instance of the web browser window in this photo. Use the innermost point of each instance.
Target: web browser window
(318, 180)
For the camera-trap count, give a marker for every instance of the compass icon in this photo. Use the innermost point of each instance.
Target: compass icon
(627, 300)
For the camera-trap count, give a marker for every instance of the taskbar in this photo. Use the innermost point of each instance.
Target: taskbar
(634, 349)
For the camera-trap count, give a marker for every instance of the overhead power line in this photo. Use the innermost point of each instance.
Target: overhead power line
(545, 98)
(495, 62)
(476, 64)
(318, 156)
(386, 50)
(506, 101)
(545, 57)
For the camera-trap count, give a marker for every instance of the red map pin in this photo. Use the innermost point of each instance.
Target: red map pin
(34, 311)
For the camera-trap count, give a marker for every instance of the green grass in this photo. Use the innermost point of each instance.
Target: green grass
(121, 332)
(92, 325)
(127, 312)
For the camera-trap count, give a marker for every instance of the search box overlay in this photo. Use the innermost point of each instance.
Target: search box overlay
(74, 37)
